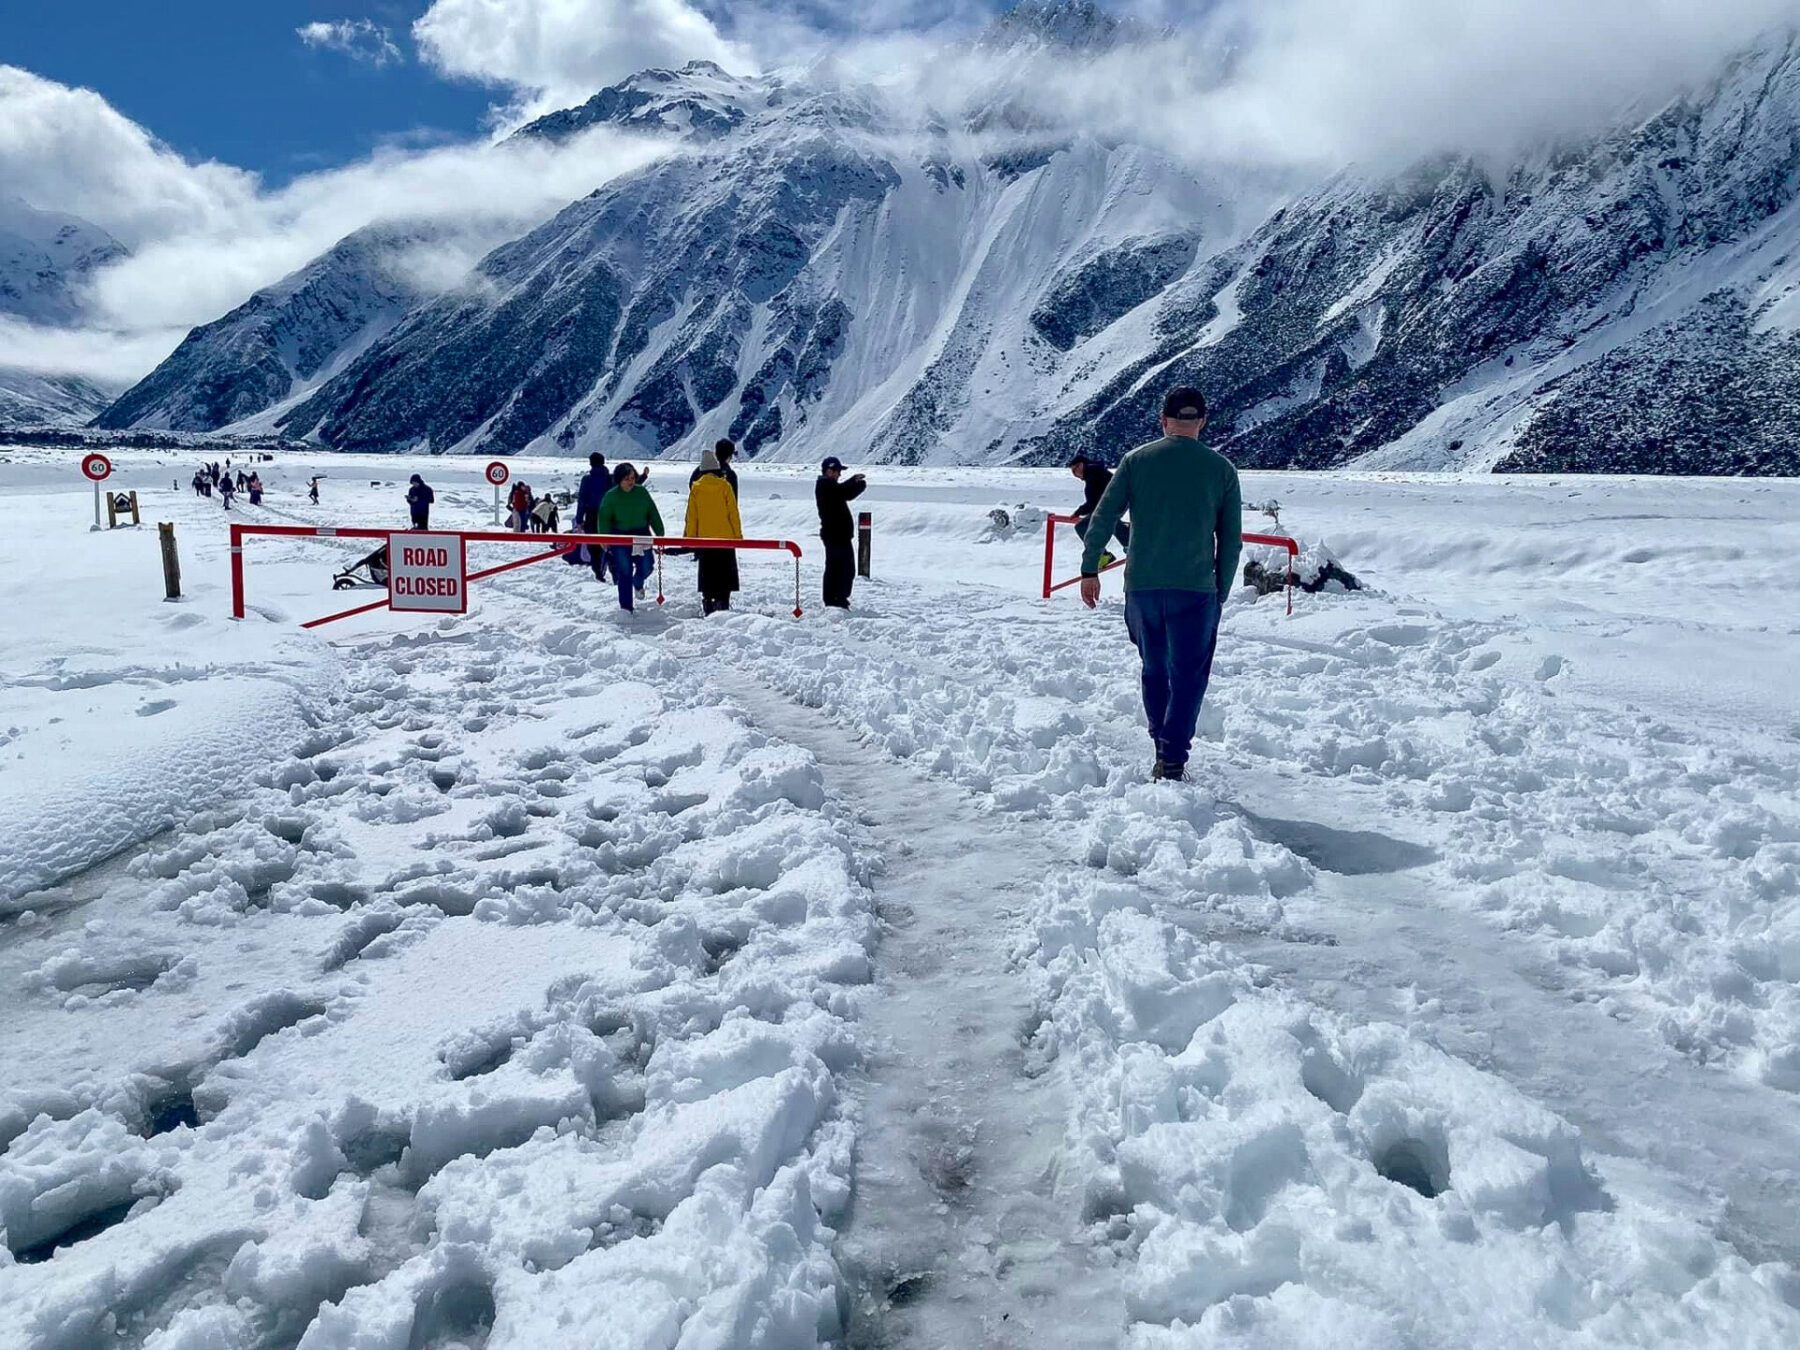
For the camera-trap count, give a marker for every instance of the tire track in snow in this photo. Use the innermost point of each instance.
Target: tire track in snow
(961, 1232)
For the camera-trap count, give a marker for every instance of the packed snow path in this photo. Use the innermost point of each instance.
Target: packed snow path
(960, 1233)
(532, 996)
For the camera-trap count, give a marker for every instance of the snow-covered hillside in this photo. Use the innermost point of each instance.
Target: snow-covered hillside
(818, 265)
(47, 259)
(547, 977)
(28, 399)
(47, 262)
(283, 339)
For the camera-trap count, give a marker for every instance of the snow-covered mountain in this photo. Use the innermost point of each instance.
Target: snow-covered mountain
(285, 338)
(700, 101)
(28, 399)
(820, 267)
(46, 261)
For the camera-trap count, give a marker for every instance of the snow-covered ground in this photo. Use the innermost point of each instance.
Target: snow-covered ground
(555, 977)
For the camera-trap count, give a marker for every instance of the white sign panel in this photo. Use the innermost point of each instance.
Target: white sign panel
(427, 572)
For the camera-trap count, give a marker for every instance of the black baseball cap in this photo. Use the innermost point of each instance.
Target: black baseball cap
(1184, 403)
(831, 462)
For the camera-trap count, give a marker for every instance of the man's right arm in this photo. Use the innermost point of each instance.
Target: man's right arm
(1228, 534)
(1114, 502)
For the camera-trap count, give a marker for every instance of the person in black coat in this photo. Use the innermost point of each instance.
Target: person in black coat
(833, 493)
(595, 484)
(1094, 477)
(724, 452)
(419, 498)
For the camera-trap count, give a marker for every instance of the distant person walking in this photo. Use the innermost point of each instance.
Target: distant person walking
(419, 498)
(712, 513)
(629, 509)
(312, 490)
(543, 515)
(1187, 520)
(1094, 477)
(256, 490)
(833, 494)
(226, 490)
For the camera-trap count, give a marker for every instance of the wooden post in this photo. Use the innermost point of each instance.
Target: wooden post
(112, 513)
(863, 523)
(165, 533)
(135, 518)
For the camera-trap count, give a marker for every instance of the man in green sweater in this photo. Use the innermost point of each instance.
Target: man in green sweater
(1187, 530)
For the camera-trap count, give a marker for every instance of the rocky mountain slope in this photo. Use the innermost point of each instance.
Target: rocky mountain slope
(28, 399)
(818, 267)
(285, 337)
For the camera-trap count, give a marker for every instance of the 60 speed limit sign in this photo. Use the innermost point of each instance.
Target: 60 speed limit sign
(497, 474)
(95, 467)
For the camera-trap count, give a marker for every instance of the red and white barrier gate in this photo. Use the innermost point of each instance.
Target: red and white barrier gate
(436, 577)
(1051, 586)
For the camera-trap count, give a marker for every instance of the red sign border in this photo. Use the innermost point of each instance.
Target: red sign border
(505, 473)
(462, 570)
(88, 459)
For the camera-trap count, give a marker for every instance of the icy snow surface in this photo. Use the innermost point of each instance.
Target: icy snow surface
(552, 977)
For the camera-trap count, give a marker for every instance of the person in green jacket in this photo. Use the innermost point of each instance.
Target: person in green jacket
(629, 509)
(1187, 532)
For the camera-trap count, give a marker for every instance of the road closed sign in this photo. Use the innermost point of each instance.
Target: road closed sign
(427, 572)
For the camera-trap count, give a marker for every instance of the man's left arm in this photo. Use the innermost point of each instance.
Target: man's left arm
(1229, 533)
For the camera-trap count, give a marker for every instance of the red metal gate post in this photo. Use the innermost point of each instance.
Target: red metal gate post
(237, 571)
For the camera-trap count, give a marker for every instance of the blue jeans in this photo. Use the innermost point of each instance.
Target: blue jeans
(1175, 633)
(629, 570)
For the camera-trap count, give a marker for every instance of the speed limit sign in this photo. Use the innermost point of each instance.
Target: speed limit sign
(94, 467)
(497, 474)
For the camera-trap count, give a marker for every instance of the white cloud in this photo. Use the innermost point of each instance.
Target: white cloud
(1324, 82)
(359, 39)
(69, 150)
(205, 236)
(112, 359)
(559, 52)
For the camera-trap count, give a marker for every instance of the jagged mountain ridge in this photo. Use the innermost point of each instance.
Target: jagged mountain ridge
(283, 337)
(821, 271)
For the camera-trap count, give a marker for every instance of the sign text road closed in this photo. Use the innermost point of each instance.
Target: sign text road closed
(427, 572)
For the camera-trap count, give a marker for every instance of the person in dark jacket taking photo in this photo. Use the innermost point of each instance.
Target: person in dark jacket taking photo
(419, 498)
(833, 493)
(1187, 518)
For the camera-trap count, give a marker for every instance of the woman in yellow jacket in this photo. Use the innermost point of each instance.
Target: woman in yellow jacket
(712, 513)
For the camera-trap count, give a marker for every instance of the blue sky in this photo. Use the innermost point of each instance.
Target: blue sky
(231, 79)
